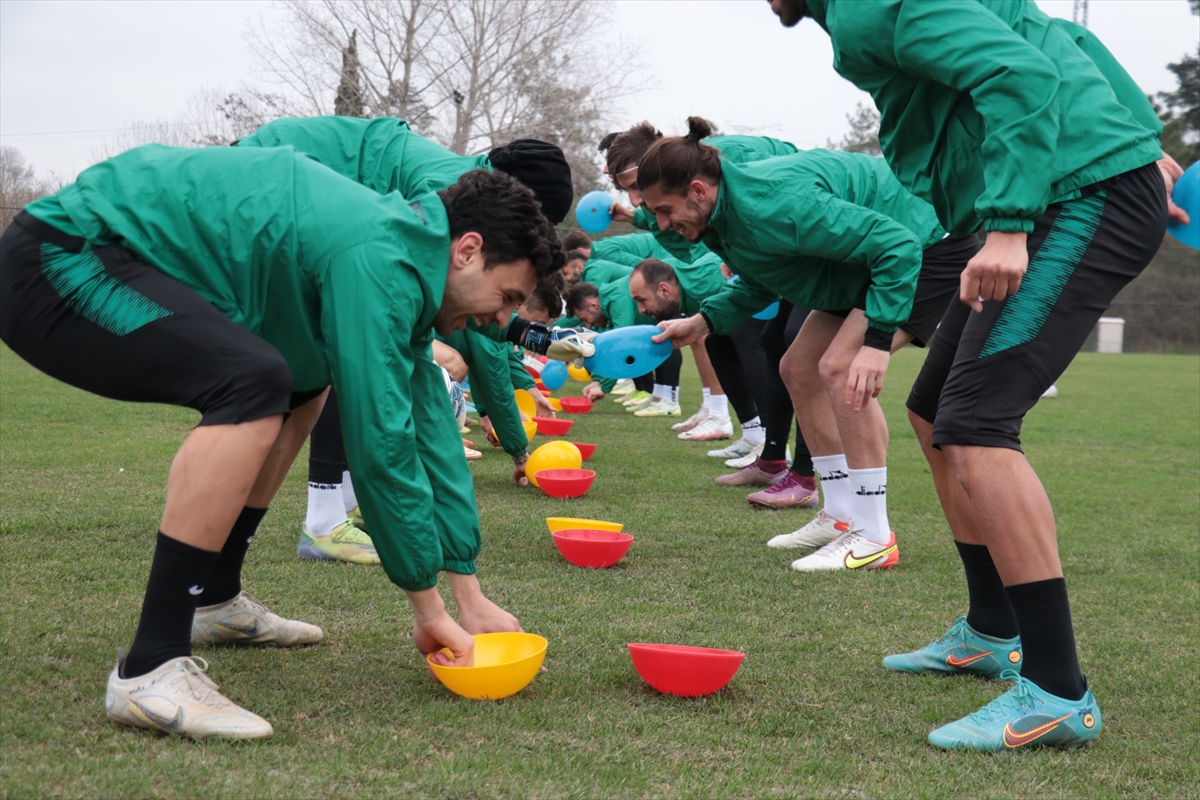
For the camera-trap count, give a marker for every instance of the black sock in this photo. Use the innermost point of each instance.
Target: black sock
(225, 580)
(1047, 638)
(177, 577)
(990, 612)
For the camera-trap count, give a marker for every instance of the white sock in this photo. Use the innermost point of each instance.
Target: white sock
(660, 391)
(707, 397)
(349, 498)
(673, 394)
(326, 509)
(753, 432)
(718, 405)
(835, 485)
(870, 503)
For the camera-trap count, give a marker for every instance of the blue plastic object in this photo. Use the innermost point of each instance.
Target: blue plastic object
(1187, 196)
(770, 312)
(592, 211)
(554, 375)
(627, 352)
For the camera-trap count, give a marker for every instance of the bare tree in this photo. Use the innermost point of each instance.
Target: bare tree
(19, 184)
(470, 75)
(864, 132)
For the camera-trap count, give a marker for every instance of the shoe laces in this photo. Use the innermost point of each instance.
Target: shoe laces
(1018, 697)
(252, 601)
(346, 532)
(839, 545)
(189, 674)
(956, 632)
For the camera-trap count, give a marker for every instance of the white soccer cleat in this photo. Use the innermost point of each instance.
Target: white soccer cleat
(692, 421)
(623, 386)
(663, 408)
(746, 460)
(244, 620)
(710, 430)
(851, 550)
(736, 450)
(820, 531)
(179, 698)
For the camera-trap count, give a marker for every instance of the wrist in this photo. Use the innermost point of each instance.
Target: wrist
(878, 340)
(427, 603)
(708, 324)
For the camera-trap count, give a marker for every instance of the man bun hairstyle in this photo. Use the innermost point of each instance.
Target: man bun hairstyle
(507, 216)
(674, 162)
(625, 150)
(654, 272)
(579, 295)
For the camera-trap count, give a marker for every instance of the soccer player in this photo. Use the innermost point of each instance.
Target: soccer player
(241, 283)
(1034, 135)
(385, 154)
(836, 233)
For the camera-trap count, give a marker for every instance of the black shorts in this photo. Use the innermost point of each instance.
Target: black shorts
(985, 371)
(106, 323)
(941, 267)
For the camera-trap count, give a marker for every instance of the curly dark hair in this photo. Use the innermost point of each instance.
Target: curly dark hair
(508, 218)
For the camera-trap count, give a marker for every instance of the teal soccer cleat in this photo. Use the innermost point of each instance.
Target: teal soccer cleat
(962, 650)
(1025, 716)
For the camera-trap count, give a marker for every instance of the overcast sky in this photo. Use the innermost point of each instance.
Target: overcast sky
(71, 73)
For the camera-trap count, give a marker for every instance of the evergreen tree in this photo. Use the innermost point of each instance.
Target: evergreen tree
(349, 99)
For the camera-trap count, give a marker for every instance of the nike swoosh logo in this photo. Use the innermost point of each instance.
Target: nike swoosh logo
(170, 723)
(954, 661)
(1014, 739)
(195, 590)
(854, 562)
(248, 630)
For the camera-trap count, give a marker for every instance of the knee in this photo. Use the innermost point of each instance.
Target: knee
(833, 371)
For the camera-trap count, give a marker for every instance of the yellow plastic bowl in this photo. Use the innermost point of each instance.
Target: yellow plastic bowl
(530, 430)
(505, 663)
(555, 403)
(557, 524)
(525, 403)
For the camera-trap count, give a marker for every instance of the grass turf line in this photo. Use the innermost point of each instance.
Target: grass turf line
(810, 712)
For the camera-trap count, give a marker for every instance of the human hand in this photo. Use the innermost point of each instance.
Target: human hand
(865, 379)
(726, 272)
(544, 409)
(450, 360)
(1171, 172)
(489, 431)
(434, 629)
(620, 213)
(519, 477)
(476, 613)
(996, 270)
(593, 391)
(682, 332)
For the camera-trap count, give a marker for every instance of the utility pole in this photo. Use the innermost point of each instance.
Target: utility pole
(1079, 16)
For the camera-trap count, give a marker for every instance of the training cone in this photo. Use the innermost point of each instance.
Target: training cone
(593, 211)
(1186, 195)
(627, 352)
(552, 455)
(579, 374)
(554, 375)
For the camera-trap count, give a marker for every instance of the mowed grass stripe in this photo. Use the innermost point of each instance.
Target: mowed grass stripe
(810, 712)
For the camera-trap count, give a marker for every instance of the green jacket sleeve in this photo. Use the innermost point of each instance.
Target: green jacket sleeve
(373, 358)
(521, 379)
(491, 385)
(1014, 88)
(738, 301)
(1128, 93)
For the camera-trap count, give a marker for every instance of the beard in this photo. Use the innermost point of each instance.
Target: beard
(791, 12)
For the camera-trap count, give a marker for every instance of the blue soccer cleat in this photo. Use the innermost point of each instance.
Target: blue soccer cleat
(962, 650)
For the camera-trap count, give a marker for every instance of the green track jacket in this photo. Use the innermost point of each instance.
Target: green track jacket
(344, 282)
(818, 228)
(988, 109)
(385, 155)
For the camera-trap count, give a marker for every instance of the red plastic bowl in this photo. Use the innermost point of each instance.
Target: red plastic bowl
(552, 427)
(534, 373)
(591, 548)
(541, 386)
(565, 482)
(585, 450)
(576, 405)
(685, 671)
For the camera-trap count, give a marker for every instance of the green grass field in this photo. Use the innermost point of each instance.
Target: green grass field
(811, 712)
